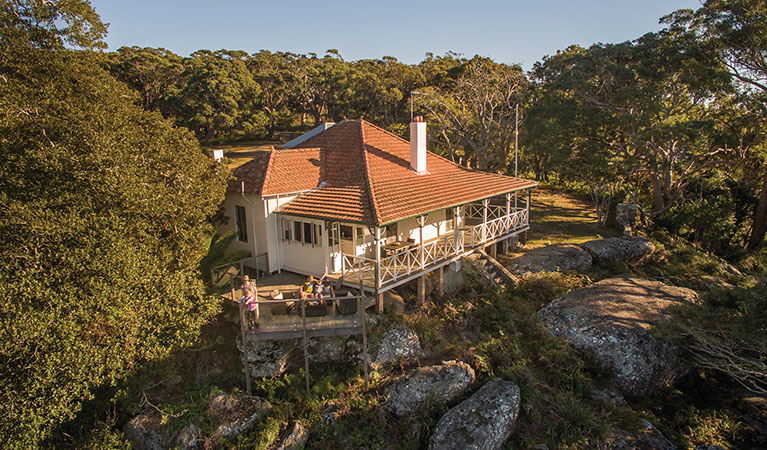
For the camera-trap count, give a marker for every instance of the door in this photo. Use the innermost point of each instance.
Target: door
(335, 260)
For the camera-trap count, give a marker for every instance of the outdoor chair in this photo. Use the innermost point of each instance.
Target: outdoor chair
(317, 310)
(278, 309)
(347, 306)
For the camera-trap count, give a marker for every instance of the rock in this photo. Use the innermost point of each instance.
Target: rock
(482, 421)
(267, 358)
(296, 439)
(145, 432)
(713, 282)
(233, 414)
(442, 383)
(710, 447)
(631, 249)
(552, 258)
(397, 344)
(188, 437)
(453, 279)
(611, 320)
(393, 301)
(334, 349)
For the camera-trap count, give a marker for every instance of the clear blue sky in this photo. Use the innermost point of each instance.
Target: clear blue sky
(508, 31)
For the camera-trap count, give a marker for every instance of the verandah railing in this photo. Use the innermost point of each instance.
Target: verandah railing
(406, 263)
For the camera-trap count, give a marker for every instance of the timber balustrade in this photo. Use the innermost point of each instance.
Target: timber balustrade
(410, 262)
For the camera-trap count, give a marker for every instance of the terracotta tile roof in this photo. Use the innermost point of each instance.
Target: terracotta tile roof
(293, 170)
(369, 180)
(252, 173)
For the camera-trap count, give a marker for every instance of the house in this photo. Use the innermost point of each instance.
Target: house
(367, 207)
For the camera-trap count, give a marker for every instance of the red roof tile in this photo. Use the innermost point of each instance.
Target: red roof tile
(369, 180)
(252, 173)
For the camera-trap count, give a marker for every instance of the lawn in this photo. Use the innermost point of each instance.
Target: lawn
(241, 152)
(559, 218)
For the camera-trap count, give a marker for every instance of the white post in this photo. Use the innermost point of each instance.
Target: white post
(421, 220)
(456, 213)
(378, 259)
(485, 203)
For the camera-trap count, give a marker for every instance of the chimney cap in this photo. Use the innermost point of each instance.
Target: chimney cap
(418, 119)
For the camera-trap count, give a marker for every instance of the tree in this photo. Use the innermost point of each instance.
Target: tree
(105, 215)
(272, 72)
(217, 99)
(652, 98)
(153, 72)
(738, 30)
(476, 111)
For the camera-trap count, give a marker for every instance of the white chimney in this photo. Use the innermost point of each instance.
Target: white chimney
(418, 145)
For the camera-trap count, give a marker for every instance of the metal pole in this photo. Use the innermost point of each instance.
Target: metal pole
(377, 271)
(516, 146)
(364, 333)
(244, 341)
(306, 346)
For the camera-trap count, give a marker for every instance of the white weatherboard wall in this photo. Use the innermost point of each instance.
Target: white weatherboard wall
(304, 258)
(255, 221)
(274, 230)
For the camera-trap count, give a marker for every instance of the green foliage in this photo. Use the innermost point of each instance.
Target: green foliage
(105, 214)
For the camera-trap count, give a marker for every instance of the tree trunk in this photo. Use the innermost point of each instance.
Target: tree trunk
(759, 227)
(659, 205)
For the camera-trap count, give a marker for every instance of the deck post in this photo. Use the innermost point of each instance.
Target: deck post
(421, 221)
(485, 203)
(377, 272)
(441, 280)
(244, 341)
(508, 203)
(527, 205)
(306, 345)
(361, 307)
(456, 214)
(422, 289)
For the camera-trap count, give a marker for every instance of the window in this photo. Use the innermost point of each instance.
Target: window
(241, 223)
(286, 229)
(332, 238)
(391, 230)
(297, 231)
(307, 233)
(360, 235)
(346, 233)
(450, 218)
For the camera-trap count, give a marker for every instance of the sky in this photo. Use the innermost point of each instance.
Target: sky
(513, 32)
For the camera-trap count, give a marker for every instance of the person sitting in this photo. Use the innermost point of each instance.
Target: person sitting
(320, 290)
(308, 289)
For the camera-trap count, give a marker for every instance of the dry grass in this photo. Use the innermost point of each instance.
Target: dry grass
(239, 153)
(559, 218)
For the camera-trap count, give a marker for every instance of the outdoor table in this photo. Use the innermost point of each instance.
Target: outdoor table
(396, 247)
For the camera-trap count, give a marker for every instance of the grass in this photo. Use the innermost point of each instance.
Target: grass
(239, 153)
(561, 218)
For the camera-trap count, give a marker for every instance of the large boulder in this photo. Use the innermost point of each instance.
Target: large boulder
(145, 431)
(482, 421)
(441, 383)
(267, 358)
(631, 249)
(611, 320)
(233, 414)
(334, 349)
(397, 344)
(295, 439)
(552, 258)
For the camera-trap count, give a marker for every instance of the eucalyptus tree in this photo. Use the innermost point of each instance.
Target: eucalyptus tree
(651, 98)
(155, 73)
(737, 29)
(475, 111)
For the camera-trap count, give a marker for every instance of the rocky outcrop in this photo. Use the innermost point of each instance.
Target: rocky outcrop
(146, 433)
(398, 344)
(440, 383)
(552, 258)
(295, 439)
(334, 349)
(188, 437)
(631, 249)
(267, 358)
(233, 414)
(482, 422)
(611, 320)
